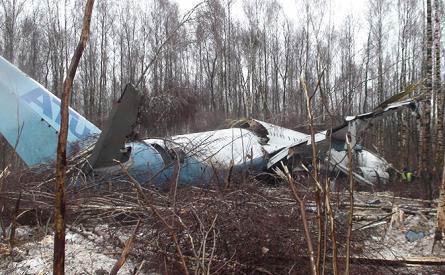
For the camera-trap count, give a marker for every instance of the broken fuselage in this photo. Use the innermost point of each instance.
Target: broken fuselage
(30, 121)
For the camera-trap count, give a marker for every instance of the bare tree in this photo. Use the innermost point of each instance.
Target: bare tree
(438, 88)
(440, 216)
(12, 10)
(61, 162)
(425, 131)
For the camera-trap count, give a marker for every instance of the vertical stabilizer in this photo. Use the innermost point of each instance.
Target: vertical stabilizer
(30, 117)
(118, 129)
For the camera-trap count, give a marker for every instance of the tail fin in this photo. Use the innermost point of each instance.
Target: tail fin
(119, 128)
(30, 117)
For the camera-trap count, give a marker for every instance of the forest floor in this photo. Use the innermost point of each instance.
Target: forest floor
(396, 229)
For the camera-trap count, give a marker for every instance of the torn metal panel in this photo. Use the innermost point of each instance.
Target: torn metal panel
(272, 137)
(381, 112)
(363, 120)
(290, 150)
(339, 162)
(279, 140)
(280, 137)
(253, 126)
(318, 137)
(368, 168)
(278, 157)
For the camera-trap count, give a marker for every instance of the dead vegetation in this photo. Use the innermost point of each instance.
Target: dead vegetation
(247, 227)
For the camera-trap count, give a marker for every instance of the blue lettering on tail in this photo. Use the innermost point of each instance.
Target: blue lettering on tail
(41, 100)
(73, 126)
(43, 103)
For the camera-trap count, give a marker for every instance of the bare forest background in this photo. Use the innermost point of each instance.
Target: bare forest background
(199, 69)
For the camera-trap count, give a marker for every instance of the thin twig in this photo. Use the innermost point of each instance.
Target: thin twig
(158, 215)
(351, 208)
(126, 252)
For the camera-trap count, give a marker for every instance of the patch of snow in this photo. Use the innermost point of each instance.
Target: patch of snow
(83, 256)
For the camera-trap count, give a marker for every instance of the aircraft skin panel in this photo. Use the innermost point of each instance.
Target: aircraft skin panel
(220, 147)
(223, 148)
(33, 117)
(374, 175)
(146, 164)
(27, 133)
(373, 168)
(280, 137)
(209, 155)
(368, 159)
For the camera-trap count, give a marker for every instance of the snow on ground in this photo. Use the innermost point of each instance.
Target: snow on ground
(83, 256)
(403, 229)
(391, 242)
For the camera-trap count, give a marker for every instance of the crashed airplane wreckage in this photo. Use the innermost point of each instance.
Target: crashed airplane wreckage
(30, 121)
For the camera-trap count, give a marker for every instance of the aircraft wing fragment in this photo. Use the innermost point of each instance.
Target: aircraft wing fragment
(362, 120)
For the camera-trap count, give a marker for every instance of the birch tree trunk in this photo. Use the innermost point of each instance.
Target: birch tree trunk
(440, 217)
(438, 88)
(425, 131)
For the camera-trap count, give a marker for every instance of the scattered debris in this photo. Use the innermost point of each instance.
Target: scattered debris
(412, 236)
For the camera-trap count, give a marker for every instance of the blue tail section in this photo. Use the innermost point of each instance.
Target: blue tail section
(30, 117)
